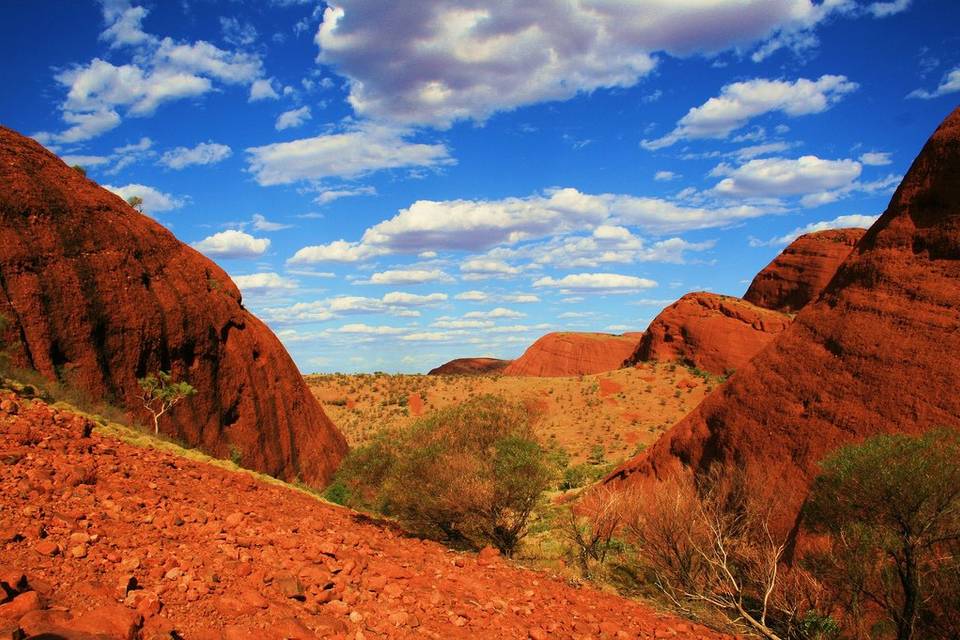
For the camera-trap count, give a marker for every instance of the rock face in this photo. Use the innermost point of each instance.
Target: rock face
(574, 354)
(159, 546)
(470, 366)
(99, 295)
(719, 334)
(878, 352)
(798, 275)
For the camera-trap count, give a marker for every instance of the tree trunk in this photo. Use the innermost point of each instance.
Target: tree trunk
(908, 579)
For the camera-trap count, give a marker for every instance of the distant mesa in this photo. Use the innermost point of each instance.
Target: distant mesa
(715, 333)
(877, 352)
(802, 271)
(99, 295)
(470, 367)
(574, 354)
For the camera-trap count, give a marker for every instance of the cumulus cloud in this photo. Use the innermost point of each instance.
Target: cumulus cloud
(473, 296)
(840, 222)
(259, 222)
(262, 89)
(161, 70)
(439, 62)
(232, 244)
(665, 176)
(875, 158)
(264, 284)
(154, 201)
(326, 196)
(884, 9)
(395, 303)
(740, 102)
(293, 118)
(360, 150)
(479, 268)
(407, 276)
(497, 313)
(596, 283)
(476, 225)
(949, 84)
(776, 177)
(202, 154)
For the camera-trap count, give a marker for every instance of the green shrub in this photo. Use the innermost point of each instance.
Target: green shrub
(470, 474)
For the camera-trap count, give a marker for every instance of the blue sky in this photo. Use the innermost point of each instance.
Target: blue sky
(395, 184)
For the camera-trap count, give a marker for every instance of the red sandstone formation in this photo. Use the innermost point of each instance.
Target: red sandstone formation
(100, 540)
(798, 275)
(99, 295)
(574, 354)
(470, 367)
(878, 352)
(719, 334)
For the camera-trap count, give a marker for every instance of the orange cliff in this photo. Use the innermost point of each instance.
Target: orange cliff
(99, 295)
(878, 352)
(574, 354)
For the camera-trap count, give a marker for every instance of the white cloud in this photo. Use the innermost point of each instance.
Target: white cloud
(875, 158)
(395, 303)
(263, 284)
(472, 296)
(202, 154)
(327, 196)
(479, 268)
(262, 89)
(407, 276)
(435, 63)
(154, 201)
(665, 176)
(840, 222)
(239, 34)
(949, 84)
(521, 298)
(85, 161)
(498, 312)
(596, 283)
(475, 225)
(232, 244)
(884, 9)
(125, 26)
(444, 323)
(260, 223)
(84, 126)
(293, 118)
(360, 328)
(739, 102)
(775, 177)
(362, 149)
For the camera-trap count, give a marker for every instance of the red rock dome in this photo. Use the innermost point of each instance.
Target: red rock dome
(574, 354)
(98, 295)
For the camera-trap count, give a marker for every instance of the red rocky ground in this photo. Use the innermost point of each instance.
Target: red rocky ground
(101, 539)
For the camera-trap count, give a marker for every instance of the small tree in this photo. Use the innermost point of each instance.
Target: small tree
(79, 170)
(136, 202)
(592, 524)
(892, 508)
(159, 393)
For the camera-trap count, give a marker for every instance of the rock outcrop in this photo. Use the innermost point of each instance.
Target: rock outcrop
(574, 354)
(470, 367)
(879, 351)
(99, 295)
(145, 545)
(716, 333)
(800, 273)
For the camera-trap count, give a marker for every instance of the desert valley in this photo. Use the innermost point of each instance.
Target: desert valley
(192, 449)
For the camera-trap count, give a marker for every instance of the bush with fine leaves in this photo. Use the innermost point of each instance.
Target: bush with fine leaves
(471, 474)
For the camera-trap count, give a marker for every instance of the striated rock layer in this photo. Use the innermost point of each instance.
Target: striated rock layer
(878, 352)
(470, 366)
(99, 295)
(574, 354)
(716, 333)
(797, 276)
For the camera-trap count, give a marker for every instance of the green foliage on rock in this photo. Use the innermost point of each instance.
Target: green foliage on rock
(470, 474)
(160, 393)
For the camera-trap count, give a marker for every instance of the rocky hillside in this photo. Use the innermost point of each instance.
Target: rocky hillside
(99, 295)
(574, 354)
(470, 367)
(800, 273)
(102, 540)
(715, 333)
(878, 352)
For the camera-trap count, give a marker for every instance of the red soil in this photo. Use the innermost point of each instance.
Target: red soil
(878, 352)
(101, 540)
(99, 295)
(799, 274)
(709, 331)
(470, 366)
(415, 404)
(574, 354)
(609, 387)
